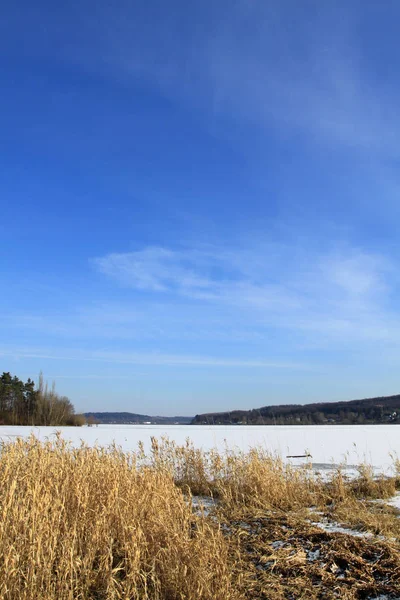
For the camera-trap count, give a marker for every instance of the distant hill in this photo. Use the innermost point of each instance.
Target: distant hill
(384, 409)
(133, 418)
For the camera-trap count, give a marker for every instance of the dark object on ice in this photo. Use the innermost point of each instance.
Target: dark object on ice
(300, 456)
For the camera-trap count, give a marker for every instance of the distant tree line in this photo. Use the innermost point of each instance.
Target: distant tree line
(355, 412)
(133, 418)
(24, 403)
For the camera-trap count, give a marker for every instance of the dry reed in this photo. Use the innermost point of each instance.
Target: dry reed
(99, 524)
(86, 523)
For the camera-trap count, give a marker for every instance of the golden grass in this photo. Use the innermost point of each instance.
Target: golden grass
(87, 523)
(99, 524)
(256, 480)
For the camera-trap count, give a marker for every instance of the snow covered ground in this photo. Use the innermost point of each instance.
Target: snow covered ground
(395, 501)
(326, 444)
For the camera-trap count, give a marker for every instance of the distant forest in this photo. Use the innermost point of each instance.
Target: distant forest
(25, 403)
(21, 403)
(385, 409)
(128, 418)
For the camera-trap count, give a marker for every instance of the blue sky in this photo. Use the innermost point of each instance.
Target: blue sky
(200, 201)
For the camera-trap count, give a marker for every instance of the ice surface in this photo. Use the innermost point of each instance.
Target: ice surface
(326, 444)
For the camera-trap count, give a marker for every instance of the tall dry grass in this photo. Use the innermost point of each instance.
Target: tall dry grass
(99, 524)
(86, 523)
(255, 479)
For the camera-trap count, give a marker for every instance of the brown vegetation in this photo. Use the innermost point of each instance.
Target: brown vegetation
(93, 523)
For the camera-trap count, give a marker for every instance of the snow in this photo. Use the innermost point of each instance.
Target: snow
(334, 527)
(311, 556)
(327, 444)
(395, 501)
(384, 597)
(202, 504)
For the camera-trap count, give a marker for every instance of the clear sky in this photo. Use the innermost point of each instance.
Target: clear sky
(200, 201)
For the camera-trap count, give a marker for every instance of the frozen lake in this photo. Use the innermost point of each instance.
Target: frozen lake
(327, 444)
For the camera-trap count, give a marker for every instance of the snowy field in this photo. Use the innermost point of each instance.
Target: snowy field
(327, 444)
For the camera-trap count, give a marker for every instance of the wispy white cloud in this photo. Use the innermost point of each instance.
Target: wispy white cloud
(209, 274)
(253, 63)
(155, 269)
(357, 276)
(260, 298)
(220, 274)
(313, 79)
(343, 294)
(271, 63)
(150, 359)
